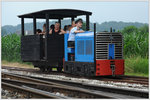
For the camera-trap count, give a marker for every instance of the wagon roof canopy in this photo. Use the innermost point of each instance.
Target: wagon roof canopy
(56, 13)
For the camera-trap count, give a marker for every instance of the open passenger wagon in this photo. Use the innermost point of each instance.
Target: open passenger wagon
(47, 52)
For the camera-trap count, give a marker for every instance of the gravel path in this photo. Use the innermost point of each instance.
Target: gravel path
(6, 94)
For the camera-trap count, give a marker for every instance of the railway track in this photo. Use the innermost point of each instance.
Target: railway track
(69, 89)
(123, 79)
(53, 87)
(31, 92)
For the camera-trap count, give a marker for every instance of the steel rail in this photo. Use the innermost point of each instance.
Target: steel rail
(75, 93)
(108, 77)
(127, 77)
(35, 93)
(54, 86)
(127, 92)
(82, 93)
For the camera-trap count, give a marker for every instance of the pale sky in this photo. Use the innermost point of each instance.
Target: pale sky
(101, 11)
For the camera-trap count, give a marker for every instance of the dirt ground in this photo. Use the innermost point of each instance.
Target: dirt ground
(15, 64)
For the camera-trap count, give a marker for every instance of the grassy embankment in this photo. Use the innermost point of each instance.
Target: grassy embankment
(135, 51)
(137, 66)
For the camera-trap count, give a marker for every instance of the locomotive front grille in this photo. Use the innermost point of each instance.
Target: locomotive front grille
(102, 45)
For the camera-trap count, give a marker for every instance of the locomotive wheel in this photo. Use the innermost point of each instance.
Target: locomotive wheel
(49, 69)
(59, 69)
(42, 69)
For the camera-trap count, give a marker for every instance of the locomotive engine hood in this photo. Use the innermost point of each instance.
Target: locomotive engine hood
(85, 34)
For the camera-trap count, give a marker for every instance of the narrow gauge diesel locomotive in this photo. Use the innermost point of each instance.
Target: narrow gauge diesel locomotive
(94, 54)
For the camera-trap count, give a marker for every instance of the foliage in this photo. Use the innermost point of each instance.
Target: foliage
(84, 26)
(11, 48)
(135, 41)
(3, 33)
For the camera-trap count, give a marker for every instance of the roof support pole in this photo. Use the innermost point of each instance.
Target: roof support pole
(95, 46)
(59, 20)
(72, 19)
(46, 35)
(47, 24)
(87, 23)
(22, 26)
(34, 25)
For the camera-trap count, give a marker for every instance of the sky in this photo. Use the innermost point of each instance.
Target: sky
(101, 11)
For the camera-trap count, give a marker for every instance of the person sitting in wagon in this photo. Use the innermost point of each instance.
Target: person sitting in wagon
(44, 29)
(74, 31)
(67, 28)
(38, 31)
(56, 29)
(73, 24)
(51, 30)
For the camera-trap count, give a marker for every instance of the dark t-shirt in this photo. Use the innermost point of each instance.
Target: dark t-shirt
(57, 32)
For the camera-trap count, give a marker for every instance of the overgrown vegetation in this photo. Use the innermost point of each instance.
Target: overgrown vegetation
(136, 65)
(135, 41)
(135, 49)
(11, 48)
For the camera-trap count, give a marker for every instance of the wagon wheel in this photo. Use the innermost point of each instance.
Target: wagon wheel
(59, 69)
(49, 69)
(42, 69)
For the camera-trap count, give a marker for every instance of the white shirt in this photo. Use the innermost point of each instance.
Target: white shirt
(72, 34)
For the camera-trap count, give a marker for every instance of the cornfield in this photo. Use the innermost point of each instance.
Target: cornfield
(135, 41)
(11, 48)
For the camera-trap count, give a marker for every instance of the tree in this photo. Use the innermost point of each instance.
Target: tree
(130, 29)
(144, 29)
(3, 32)
(84, 26)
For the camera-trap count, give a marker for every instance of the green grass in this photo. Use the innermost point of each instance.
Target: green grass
(136, 65)
(137, 74)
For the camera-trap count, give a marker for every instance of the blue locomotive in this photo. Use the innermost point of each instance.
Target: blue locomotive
(94, 54)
